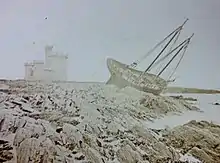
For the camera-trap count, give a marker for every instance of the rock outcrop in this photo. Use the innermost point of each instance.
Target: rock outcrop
(200, 139)
(66, 122)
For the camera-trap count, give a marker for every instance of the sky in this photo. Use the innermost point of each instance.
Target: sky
(89, 31)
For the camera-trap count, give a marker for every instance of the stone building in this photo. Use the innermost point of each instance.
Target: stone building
(54, 67)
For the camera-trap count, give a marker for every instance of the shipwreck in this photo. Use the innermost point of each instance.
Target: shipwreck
(123, 75)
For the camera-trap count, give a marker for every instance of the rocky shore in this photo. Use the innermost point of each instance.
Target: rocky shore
(94, 123)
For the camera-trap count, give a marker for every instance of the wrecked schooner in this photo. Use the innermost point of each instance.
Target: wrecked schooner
(123, 75)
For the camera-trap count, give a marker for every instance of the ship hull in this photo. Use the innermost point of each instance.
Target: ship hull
(123, 76)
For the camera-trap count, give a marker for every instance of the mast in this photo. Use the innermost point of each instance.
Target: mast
(160, 60)
(187, 41)
(176, 33)
(161, 52)
(134, 64)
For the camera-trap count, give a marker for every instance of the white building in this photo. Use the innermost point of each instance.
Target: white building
(29, 73)
(54, 68)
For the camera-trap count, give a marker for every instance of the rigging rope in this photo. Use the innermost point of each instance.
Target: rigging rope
(167, 44)
(173, 38)
(178, 29)
(183, 53)
(174, 49)
(134, 64)
(171, 60)
(182, 46)
(169, 52)
(177, 37)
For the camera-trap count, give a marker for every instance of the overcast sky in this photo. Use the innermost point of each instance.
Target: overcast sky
(91, 30)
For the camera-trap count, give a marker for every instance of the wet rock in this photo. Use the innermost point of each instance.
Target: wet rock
(80, 157)
(59, 129)
(98, 143)
(92, 155)
(16, 103)
(6, 153)
(110, 129)
(201, 139)
(36, 150)
(127, 155)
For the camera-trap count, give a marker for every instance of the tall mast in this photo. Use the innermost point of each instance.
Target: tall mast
(187, 41)
(134, 64)
(174, 49)
(176, 32)
(161, 52)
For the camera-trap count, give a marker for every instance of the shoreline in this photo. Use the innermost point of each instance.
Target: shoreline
(191, 90)
(94, 122)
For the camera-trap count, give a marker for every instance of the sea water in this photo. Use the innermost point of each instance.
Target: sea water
(209, 112)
